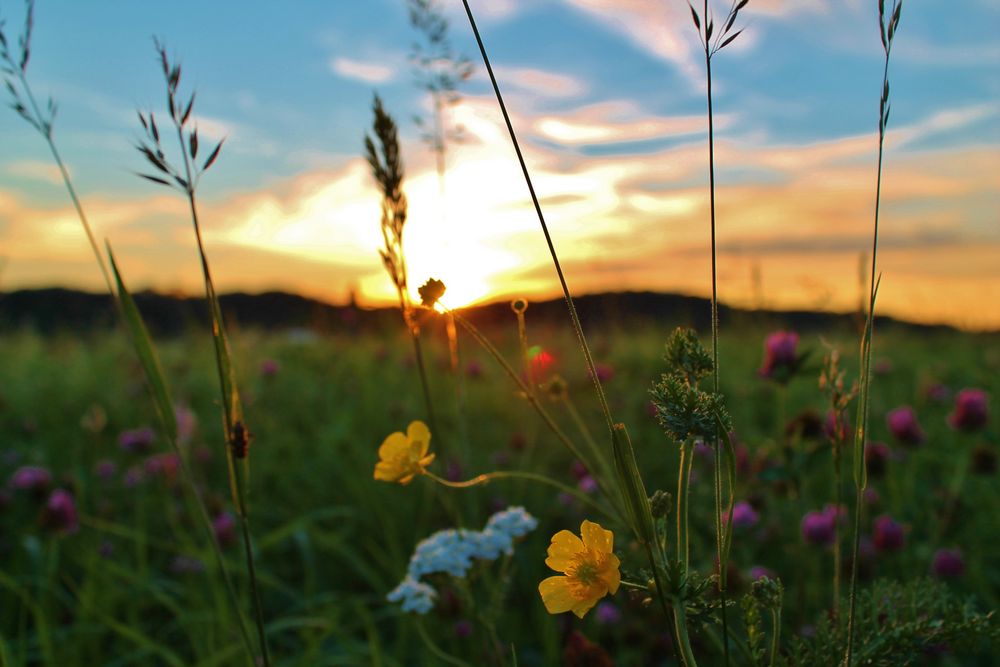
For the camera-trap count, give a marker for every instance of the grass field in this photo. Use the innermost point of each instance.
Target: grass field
(137, 582)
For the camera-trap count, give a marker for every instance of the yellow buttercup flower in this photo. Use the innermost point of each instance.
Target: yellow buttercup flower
(590, 570)
(403, 456)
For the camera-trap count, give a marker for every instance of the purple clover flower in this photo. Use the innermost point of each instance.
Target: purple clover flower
(780, 356)
(971, 412)
(31, 479)
(887, 534)
(903, 425)
(818, 528)
(744, 515)
(948, 563)
(137, 440)
(59, 514)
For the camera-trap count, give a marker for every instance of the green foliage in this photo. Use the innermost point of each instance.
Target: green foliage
(899, 624)
(765, 597)
(683, 409)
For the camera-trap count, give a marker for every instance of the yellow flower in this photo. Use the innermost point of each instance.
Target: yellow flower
(401, 457)
(590, 570)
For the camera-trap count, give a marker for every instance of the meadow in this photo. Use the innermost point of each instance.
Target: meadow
(134, 584)
(745, 494)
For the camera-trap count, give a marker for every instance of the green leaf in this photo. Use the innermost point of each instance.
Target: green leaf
(147, 354)
(632, 488)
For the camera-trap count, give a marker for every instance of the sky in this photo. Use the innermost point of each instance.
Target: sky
(608, 100)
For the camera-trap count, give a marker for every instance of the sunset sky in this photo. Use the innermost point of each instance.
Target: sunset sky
(608, 99)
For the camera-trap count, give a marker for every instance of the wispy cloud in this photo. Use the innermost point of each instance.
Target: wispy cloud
(538, 82)
(360, 70)
(35, 170)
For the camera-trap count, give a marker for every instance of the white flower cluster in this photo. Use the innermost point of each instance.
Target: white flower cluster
(452, 552)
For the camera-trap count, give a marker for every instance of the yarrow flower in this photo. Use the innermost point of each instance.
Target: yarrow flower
(590, 570)
(453, 551)
(415, 596)
(404, 456)
(970, 410)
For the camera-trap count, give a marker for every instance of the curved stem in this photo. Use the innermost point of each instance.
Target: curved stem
(436, 650)
(517, 474)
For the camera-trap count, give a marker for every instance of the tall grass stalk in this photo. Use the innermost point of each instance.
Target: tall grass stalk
(723, 37)
(43, 122)
(888, 24)
(237, 435)
(386, 162)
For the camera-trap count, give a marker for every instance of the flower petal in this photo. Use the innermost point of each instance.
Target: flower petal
(386, 471)
(583, 606)
(394, 445)
(563, 549)
(556, 595)
(597, 538)
(418, 432)
(610, 575)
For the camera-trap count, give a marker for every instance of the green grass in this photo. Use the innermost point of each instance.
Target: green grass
(332, 541)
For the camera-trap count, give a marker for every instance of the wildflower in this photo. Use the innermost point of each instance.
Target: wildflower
(948, 563)
(514, 521)
(60, 513)
(744, 515)
(904, 427)
(780, 356)
(876, 457)
(269, 368)
(888, 535)
(474, 369)
(589, 566)
(540, 364)
(133, 477)
(402, 457)
(761, 572)
(818, 528)
(581, 651)
(938, 393)
(872, 497)
(608, 613)
(588, 484)
(970, 410)
(136, 440)
(430, 292)
(605, 372)
(33, 479)
(836, 426)
(224, 528)
(164, 466)
(416, 596)
(105, 469)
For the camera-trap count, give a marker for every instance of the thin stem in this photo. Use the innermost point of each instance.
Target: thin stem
(517, 474)
(680, 623)
(775, 634)
(837, 500)
(866, 361)
(683, 486)
(436, 650)
(545, 230)
(66, 181)
(231, 407)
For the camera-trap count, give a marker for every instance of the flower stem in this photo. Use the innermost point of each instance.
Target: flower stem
(436, 650)
(517, 474)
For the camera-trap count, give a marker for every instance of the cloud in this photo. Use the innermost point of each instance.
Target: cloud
(365, 71)
(540, 83)
(619, 121)
(34, 170)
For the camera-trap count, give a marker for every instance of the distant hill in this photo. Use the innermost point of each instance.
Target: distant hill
(64, 310)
